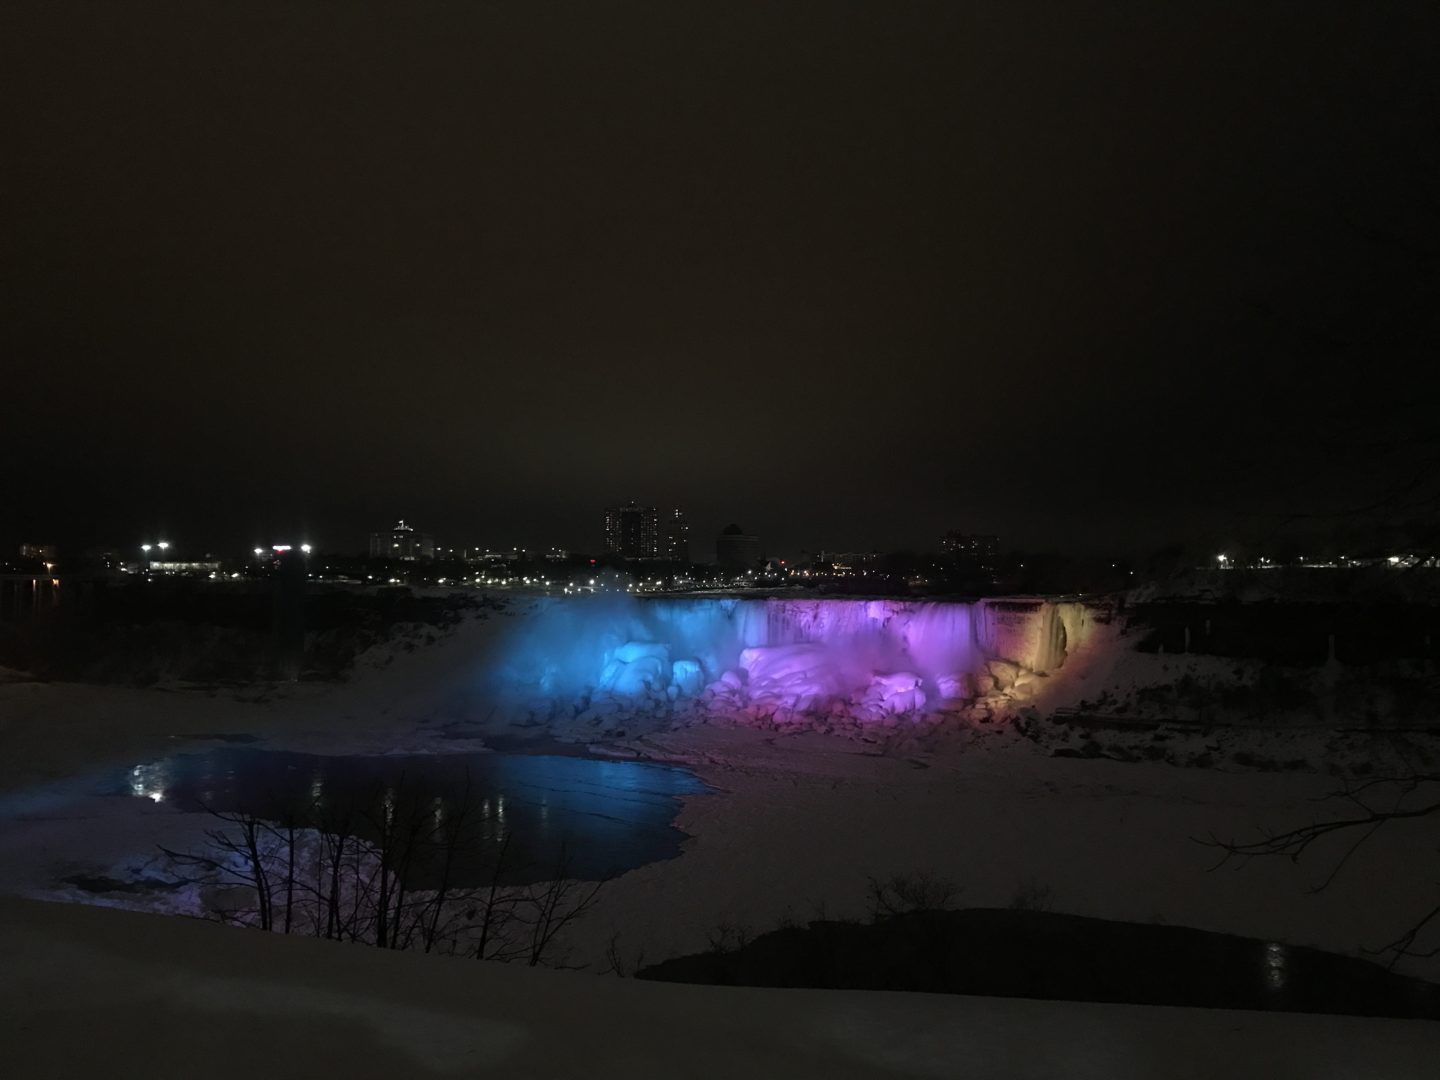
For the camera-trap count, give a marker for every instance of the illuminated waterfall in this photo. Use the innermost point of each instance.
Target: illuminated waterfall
(884, 656)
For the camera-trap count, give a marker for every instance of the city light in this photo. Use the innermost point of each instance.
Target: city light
(305, 548)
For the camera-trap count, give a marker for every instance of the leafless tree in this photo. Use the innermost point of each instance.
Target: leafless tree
(727, 937)
(348, 871)
(233, 860)
(494, 909)
(615, 961)
(901, 894)
(1370, 805)
(548, 908)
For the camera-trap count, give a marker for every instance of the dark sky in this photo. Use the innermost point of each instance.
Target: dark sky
(1094, 275)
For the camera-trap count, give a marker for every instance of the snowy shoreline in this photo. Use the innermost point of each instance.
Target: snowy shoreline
(808, 814)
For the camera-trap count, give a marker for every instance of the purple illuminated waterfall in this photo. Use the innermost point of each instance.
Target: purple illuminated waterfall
(880, 657)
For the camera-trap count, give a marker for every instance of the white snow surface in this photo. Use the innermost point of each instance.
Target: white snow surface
(96, 992)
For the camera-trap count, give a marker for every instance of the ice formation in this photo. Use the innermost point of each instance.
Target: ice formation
(783, 658)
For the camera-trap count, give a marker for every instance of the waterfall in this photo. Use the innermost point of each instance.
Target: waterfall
(568, 643)
(941, 638)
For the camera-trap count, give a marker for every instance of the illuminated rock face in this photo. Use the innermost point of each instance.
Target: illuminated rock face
(870, 658)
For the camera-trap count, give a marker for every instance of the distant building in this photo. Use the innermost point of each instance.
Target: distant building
(193, 567)
(735, 549)
(849, 563)
(975, 550)
(481, 556)
(39, 552)
(402, 542)
(632, 532)
(675, 544)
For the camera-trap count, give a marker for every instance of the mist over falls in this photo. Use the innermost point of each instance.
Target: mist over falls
(873, 658)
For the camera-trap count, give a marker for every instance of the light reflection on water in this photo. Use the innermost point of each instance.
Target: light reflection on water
(149, 781)
(609, 816)
(1276, 966)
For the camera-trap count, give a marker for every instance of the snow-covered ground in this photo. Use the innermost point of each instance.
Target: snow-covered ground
(52, 729)
(811, 817)
(796, 823)
(799, 819)
(91, 992)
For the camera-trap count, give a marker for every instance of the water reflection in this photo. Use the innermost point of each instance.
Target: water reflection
(1276, 966)
(148, 781)
(606, 816)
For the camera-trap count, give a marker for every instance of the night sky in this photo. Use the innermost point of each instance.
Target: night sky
(848, 274)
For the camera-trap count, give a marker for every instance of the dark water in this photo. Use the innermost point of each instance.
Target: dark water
(1040, 954)
(605, 817)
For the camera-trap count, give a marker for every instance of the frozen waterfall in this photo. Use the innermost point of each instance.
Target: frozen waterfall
(878, 657)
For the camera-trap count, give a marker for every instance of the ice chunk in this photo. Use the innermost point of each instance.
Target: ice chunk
(955, 687)
(687, 677)
(636, 667)
(632, 651)
(895, 694)
(782, 661)
(793, 676)
(1004, 673)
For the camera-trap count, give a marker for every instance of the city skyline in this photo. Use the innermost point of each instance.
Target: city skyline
(826, 290)
(1356, 536)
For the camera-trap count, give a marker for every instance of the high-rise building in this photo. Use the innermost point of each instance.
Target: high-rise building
(675, 544)
(632, 532)
(735, 549)
(402, 542)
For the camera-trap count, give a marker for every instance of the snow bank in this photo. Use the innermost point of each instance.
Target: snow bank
(173, 998)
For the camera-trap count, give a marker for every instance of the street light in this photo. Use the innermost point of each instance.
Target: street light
(305, 548)
(163, 544)
(145, 548)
